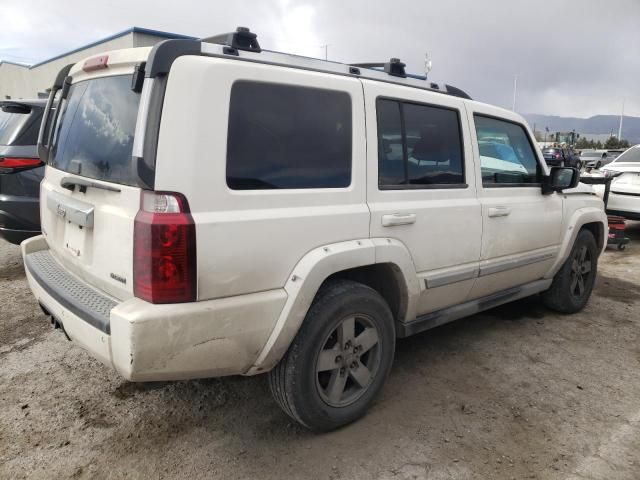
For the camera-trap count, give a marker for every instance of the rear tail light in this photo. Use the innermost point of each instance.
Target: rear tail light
(13, 164)
(164, 249)
(557, 155)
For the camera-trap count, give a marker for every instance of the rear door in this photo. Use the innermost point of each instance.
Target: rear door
(91, 191)
(421, 187)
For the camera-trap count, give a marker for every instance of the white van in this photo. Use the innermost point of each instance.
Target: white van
(210, 208)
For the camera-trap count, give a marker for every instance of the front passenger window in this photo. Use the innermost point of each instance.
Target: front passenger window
(506, 153)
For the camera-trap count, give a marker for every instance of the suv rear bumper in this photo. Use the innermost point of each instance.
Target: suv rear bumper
(553, 162)
(146, 342)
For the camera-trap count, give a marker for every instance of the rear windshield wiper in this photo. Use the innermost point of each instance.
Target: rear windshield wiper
(70, 183)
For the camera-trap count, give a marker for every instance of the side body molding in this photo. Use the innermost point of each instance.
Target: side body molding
(313, 269)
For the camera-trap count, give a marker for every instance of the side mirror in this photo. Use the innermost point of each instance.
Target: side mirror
(559, 179)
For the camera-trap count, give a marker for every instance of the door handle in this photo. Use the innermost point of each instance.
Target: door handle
(398, 219)
(499, 211)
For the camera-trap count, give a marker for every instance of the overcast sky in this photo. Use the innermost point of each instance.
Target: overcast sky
(572, 57)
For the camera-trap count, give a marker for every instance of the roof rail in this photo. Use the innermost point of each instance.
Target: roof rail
(241, 39)
(456, 92)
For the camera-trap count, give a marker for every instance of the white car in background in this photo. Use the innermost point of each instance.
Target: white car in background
(624, 199)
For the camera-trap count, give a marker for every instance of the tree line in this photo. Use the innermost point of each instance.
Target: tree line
(612, 142)
(582, 144)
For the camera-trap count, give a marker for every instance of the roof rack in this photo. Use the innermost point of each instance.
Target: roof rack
(393, 67)
(244, 40)
(241, 39)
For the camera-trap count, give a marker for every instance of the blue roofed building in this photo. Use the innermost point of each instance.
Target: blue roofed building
(19, 80)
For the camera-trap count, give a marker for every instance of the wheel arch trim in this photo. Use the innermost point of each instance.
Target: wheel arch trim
(313, 269)
(579, 219)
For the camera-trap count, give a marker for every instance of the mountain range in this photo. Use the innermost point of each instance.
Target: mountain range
(596, 126)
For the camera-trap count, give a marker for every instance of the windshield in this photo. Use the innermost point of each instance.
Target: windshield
(592, 154)
(10, 126)
(94, 135)
(631, 155)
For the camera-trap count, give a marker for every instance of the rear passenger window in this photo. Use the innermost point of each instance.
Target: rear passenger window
(283, 136)
(418, 146)
(506, 153)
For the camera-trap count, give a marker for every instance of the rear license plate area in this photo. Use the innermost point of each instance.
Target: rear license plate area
(74, 239)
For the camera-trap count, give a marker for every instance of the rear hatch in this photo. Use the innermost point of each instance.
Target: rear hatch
(91, 191)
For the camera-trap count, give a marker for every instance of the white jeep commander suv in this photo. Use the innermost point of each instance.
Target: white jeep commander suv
(210, 208)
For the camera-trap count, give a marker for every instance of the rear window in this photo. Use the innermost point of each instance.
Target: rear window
(20, 128)
(419, 146)
(631, 155)
(286, 137)
(94, 135)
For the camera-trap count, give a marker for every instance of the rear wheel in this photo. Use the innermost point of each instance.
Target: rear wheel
(572, 285)
(339, 360)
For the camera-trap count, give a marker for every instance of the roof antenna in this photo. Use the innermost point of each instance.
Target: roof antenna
(428, 64)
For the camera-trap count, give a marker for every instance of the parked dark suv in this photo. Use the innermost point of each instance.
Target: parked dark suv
(20, 169)
(561, 157)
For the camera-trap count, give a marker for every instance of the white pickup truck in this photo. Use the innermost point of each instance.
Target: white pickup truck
(210, 208)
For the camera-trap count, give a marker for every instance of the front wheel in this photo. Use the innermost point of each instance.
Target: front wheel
(572, 285)
(339, 360)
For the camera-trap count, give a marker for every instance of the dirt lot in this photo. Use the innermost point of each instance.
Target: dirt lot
(517, 392)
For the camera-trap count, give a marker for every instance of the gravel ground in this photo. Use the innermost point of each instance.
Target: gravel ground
(516, 392)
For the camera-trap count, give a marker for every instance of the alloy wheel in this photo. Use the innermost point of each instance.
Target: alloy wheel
(348, 361)
(580, 271)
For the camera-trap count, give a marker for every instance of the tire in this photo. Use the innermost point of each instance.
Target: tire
(572, 285)
(321, 390)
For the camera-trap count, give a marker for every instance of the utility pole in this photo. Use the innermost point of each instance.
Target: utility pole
(620, 125)
(515, 89)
